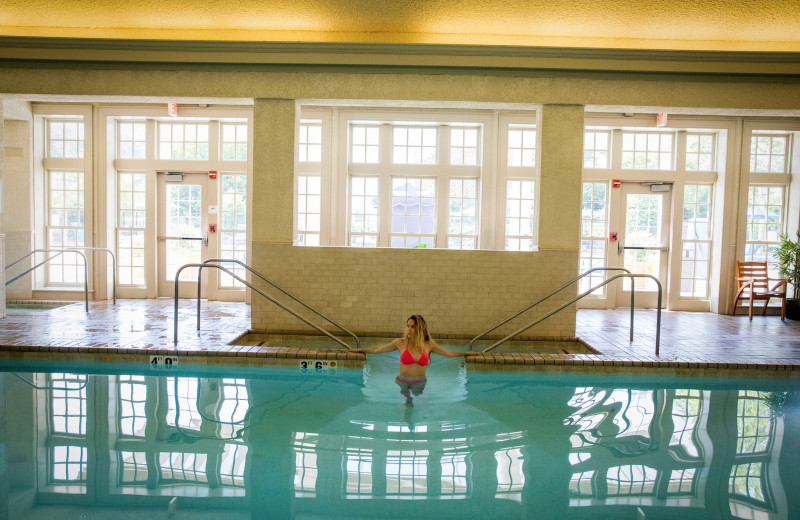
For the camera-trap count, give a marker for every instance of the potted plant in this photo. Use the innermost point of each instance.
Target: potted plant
(788, 255)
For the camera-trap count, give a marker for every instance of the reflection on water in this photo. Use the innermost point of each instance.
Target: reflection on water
(300, 444)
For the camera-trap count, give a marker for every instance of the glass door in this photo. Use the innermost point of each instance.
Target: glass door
(182, 231)
(644, 242)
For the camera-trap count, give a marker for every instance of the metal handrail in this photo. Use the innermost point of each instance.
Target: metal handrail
(245, 282)
(265, 279)
(57, 253)
(529, 307)
(113, 266)
(564, 306)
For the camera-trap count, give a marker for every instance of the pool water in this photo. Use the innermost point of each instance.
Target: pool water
(121, 441)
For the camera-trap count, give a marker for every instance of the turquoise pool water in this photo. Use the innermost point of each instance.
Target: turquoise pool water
(123, 441)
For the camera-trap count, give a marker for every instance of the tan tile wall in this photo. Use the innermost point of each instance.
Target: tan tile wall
(373, 291)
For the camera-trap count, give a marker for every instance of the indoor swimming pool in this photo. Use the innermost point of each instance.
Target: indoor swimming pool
(91, 440)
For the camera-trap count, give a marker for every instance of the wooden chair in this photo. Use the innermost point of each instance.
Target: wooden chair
(753, 281)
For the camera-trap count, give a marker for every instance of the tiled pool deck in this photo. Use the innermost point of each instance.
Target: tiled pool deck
(696, 343)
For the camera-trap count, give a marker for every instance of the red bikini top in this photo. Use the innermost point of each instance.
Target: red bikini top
(407, 359)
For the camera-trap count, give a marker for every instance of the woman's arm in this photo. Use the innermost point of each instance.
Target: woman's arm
(377, 350)
(436, 349)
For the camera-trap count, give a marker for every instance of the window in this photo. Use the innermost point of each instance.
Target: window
(596, 145)
(305, 471)
(365, 141)
(462, 231)
(413, 212)
(647, 150)
(414, 146)
(233, 227)
(133, 467)
(510, 474)
(765, 209)
(364, 211)
(65, 225)
(699, 152)
(68, 404)
(65, 138)
(521, 146)
(519, 215)
(182, 393)
(132, 140)
(594, 216)
(309, 209)
(183, 141)
(633, 479)
(768, 153)
(310, 141)
(132, 208)
(132, 399)
(232, 465)
(686, 408)
(69, 464)
(410, 179)
(464, 146)
(183, 467)
(358, 467)
(234, 141)
(696, 237)
(406, 473)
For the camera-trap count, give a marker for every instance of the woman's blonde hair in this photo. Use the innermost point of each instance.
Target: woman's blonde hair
(421, 333)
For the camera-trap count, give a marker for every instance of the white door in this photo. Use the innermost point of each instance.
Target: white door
(182, 231)
(643, 244)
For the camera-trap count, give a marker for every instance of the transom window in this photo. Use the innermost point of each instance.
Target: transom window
(183, 141)
(596, 148)
(647, 150)
(132, 140)
(700, 152)
(65, 138)
(310, 146)
(366, 142)
(768, 153)
(464, 146)
(234, 141)
(414, 145)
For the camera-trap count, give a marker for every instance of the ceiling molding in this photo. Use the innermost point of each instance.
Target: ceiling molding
(374, 57)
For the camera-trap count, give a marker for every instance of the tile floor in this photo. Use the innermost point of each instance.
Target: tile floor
(689, 341)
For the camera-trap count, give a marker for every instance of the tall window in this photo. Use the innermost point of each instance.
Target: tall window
(65, 225)
(462, 231)
(519, 215)
(765, 210)
(594, 217)
(68, 425)
(233, 227)
(696, 239)
(766, 197)
(308, 209)
(413, 212)
(132, 207)
(364, 211)
(64, 138)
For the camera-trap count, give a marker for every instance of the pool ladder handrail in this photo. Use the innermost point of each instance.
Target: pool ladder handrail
(273, 284)
(57, 252)
(587, 293)
(204, 265)
(531, 306)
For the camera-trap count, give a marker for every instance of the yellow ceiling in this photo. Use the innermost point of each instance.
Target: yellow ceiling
(713, 25)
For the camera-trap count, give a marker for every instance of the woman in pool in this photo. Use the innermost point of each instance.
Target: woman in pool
(415, 354)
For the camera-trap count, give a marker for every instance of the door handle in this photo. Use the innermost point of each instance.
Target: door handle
(205, 239)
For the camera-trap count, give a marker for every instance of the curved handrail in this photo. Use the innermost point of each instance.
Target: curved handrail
(113, 266)
(57, 253)
(245, 282)
(564, 306)
(262, 277)
(529, 307)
